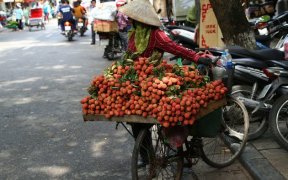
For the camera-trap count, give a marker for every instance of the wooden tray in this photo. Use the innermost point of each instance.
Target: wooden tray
(150, 120)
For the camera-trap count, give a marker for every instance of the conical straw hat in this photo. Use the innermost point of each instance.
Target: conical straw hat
(142, 11)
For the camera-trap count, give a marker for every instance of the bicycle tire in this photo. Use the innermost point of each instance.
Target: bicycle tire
(257, 125)
(279, 122)
(230, 142)
(157, 164)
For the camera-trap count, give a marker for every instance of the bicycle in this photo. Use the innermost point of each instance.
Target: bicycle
(218, 147)
(218, 137)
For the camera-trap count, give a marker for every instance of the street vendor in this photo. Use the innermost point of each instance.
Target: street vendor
(146, 39)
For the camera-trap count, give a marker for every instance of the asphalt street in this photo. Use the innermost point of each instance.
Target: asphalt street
(42, 134)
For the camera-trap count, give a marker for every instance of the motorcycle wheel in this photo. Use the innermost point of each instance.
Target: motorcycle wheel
(82, 31)
(278, 121)
(258, 123)
(70, 37)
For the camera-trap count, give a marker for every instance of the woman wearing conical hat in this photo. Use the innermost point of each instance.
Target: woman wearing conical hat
(146, 37)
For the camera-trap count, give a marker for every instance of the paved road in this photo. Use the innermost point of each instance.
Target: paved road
(42, 135)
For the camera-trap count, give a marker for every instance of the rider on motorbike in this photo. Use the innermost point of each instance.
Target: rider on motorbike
(67, 15)
(80, 12)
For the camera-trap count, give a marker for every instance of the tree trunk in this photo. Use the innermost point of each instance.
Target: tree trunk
(233, 23)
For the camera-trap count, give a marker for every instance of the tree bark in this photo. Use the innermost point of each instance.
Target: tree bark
(233, 23)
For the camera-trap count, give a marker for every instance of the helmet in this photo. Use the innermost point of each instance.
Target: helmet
(142, 11)
(120, 3)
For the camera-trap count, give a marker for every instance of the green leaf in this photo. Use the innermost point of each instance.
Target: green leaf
(178, 70)
(159, 72)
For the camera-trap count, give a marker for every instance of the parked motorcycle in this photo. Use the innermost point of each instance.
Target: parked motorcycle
(278, 116)
(81, 26)
(249, 78)
(68, 31)
(249, 64)
(276, 30)
(182, 35)
(270, 31)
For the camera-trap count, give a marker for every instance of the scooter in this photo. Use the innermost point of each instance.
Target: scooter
(250, 75)
(276, 30)
(270, 32)
(182, 35)
(81, 26)
(68, 31)
(275, 93)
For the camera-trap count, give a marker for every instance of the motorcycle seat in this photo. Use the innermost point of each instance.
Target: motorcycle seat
(262, 54)
(170, 27)
(283, 64)
(250, 62)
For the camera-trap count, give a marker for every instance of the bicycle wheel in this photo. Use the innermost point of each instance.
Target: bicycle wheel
(225, 148)
(258, 124)
(162, 161)
(278, 121)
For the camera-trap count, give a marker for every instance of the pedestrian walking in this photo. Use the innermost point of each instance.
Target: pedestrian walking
(58, 14)
(46, 10)
(26, 12)
(19, 15)
(91, 19)
(123, 25)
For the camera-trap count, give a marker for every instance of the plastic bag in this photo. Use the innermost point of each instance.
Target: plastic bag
(105, 11)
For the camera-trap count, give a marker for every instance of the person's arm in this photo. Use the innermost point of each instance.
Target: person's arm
(83, 10)
(72, 10)
(164, 43)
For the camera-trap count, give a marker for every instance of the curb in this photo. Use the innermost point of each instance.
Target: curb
(257, 165)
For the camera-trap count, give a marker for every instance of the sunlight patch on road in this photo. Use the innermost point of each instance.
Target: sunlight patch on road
(8, 83)
(48, 35)
(102, 174)
(75, 67)
(43, 87)
(72, 144)
(5, 154)
(22, 101)
(27, 89)
(52, 171)
(58, 67)
(96, 148)
(65, 78)
(25, 45)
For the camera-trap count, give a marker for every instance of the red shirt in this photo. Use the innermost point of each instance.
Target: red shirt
(160, 41)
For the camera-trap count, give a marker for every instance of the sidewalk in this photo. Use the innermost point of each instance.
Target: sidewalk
(264, 159)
